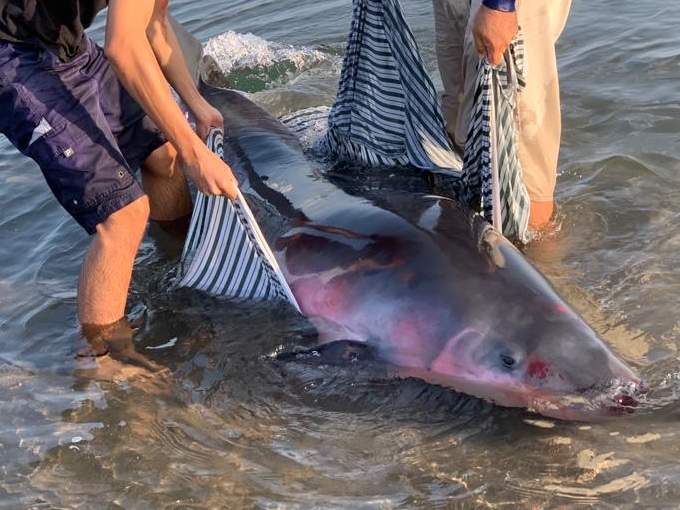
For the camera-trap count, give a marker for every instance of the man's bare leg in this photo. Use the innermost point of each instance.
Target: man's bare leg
(166, 186)
(107, 268)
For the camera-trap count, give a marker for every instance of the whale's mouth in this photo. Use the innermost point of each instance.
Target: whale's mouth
(625, 398)
(613, 400)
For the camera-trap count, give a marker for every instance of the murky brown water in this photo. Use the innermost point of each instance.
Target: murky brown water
(226, 427)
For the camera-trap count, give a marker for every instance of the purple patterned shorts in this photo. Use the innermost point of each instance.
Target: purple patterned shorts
(79, 124)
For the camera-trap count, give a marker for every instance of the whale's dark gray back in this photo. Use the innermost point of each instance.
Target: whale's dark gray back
(271, 165)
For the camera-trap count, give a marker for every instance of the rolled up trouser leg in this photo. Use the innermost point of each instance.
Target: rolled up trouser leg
(542, 22)
(450, 23)
(540, 121)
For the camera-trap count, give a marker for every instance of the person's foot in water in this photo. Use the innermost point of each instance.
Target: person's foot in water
(116, 342)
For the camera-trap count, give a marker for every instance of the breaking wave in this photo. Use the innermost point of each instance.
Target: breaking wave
(250, 63)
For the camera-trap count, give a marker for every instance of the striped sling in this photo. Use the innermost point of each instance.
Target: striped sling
(492, 177)
(386, 112)
(225, 253)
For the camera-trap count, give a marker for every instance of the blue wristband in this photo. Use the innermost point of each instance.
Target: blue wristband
(500, 5)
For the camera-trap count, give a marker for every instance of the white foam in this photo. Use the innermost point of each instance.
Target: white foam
(233, 51)
(310, 125)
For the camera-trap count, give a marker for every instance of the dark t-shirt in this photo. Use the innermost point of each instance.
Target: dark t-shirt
(55, 24)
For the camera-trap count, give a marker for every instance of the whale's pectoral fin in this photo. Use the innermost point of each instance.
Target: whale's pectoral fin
(339, 352)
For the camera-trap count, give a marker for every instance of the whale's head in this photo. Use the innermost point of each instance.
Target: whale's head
(520, 344)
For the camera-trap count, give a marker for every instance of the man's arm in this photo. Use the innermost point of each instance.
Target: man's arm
(168, 51)
(129, 49)
(494, 27)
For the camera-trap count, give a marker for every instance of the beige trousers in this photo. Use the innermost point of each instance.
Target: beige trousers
(540, 122)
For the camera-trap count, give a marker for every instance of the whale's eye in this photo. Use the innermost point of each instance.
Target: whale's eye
(508, 361)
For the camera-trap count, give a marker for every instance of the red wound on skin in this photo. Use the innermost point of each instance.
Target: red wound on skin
(560, 308)
(538, 369)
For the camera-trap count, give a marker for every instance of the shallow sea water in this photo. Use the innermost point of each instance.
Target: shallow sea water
(225, 427)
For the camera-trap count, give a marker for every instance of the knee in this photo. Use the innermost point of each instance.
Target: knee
(133, 216)
(130, 221)
(162, 163)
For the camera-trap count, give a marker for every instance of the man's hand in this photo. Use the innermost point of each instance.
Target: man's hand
(493, 32)
(207, 118)
(208, 172)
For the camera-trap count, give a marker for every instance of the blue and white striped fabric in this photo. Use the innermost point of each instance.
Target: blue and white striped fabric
(226, 254)
(386, 112)
(492, 177)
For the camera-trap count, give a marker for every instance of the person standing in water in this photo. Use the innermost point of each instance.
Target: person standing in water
(89, 117)
(468, 29)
